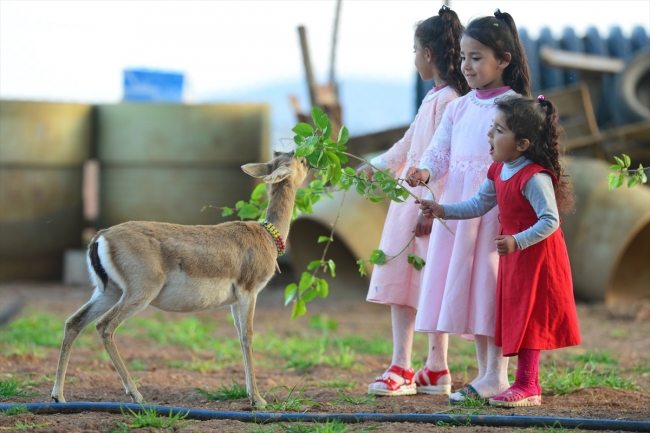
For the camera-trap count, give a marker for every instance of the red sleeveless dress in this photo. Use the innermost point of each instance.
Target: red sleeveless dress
(535, 304)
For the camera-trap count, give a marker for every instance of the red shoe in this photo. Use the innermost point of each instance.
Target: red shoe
(395, 389)
(513, 397)
(426, 382)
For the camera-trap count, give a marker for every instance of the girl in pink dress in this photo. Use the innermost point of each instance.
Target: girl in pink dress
(535, 306)
(459, 282)
(397, 283)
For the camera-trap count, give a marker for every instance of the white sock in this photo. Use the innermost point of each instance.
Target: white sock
(481, 342)
(437, 359)
(495, 379)
(403, 319)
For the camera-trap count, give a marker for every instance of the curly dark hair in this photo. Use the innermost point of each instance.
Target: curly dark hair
(441, 34)
(538, 123)
(500, 34)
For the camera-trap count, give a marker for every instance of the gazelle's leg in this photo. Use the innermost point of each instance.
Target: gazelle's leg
(130, 304)
(243, 312)
(100, 303)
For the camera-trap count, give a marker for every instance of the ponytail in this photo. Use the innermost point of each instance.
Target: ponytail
(538, 122)
(500, 34)
(441, 34)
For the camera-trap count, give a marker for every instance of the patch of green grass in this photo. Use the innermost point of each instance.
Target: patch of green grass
(354, 399)
(11, 387)
(233, 392)
(148, 417)
(44, 330)
(190, 332)
(322, 322)
(599, 358)
(638, 369)
(559, 381)
(332, 426)
(16, 410)
(471, 403)
(337, 384)
(555, 428)
(203, 366)
(137, 365)
(293, 402)
(365, 346)
(25, 425)
(20, 348)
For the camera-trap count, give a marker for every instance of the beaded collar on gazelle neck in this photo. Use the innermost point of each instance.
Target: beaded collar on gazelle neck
(276, 235)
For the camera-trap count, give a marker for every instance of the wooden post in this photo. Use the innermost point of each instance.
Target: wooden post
(311, 84)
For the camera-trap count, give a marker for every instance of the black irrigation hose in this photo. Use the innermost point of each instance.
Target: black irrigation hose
(266, 417)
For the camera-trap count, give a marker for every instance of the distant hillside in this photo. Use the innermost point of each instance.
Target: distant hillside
(368, 106)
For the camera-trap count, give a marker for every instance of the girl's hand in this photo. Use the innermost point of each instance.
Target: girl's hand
(431, 208)
(423, 226)
(416, 176)
(365, 168)
(505, 245)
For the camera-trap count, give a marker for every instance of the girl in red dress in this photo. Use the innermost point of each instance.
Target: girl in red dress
(535, 306)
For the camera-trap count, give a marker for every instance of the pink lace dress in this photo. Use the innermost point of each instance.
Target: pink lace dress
(459, 279)
(398, 282)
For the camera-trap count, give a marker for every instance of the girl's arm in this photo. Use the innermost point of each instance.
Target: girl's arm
(538, 190)
(484, 200)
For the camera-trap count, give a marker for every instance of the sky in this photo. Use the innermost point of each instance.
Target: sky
(77, 50)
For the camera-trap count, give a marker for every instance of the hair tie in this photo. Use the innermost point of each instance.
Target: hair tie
(497, 12)
(541, 99)
(443, 9)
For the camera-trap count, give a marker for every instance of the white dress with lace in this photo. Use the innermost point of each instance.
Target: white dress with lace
(459, 279)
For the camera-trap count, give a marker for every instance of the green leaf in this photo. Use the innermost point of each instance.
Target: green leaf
(320, 118)
(610, 180)
(378, 257)
(327, 132)
(259, 191)
(239, 204)
(619, 161)
(374, 198)
(349, 171)
(290, 293)
(417, 262)
(303, 129)
(614, 167)
(627, 160)
(313, 264)
(344, 134)
(306, 280)
(227, 211)
(332, 267)
(644, 178)
(248, 211)
(362, 267)
(323, 288)
(322, 239)
(618, 181)
(633, 180)
(309, 295)
(299, 309)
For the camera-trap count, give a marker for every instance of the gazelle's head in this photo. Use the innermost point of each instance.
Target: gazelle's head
(284, 165)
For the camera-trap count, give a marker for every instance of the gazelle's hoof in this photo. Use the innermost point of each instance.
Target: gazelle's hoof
(58, 399)
(258, 402)
(136, 397)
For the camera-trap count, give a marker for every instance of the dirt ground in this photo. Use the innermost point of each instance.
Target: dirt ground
(623, 332)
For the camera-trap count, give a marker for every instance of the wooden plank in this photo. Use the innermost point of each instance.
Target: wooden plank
(580, 61)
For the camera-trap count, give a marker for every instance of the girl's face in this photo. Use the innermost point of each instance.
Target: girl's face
(503, 145)
(423, 61)
(481, 69)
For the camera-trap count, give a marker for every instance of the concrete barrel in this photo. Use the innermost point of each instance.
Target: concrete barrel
(164, 162)
(42, 149)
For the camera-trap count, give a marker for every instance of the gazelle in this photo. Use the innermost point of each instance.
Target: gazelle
(185, 269)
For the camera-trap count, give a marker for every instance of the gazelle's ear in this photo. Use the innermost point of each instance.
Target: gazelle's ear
(259, 169)
(280, 174)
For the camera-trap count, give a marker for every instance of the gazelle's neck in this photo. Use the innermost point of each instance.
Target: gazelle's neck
(281, 198)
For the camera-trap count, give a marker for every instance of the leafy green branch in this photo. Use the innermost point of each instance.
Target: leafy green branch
(378, 257)
(622, 168)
